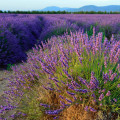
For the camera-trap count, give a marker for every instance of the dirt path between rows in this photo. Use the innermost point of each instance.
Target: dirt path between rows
(3, 85)
(4, 75)
(3, 80)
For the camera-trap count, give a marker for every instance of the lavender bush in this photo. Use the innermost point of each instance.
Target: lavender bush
(29, 30)
(9, 53)
(55, 26)
(17, 35)
(69, 70)
(107, 23)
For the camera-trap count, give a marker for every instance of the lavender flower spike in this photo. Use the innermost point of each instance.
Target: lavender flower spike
(108, 93)
(80, 90)
(68, 100)
(44, 105)
(101, 97)
(61, 96)
(53, 112)
(92, 109)
(72, 94)
(115, 99)
(118, 85)
(93, 82)
(86, 108)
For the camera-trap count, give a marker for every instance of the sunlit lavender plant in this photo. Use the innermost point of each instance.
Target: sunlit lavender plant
(75, 76)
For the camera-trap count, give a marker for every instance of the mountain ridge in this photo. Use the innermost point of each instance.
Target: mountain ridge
(113, 8)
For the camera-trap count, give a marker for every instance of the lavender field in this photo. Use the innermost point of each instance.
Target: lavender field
(60, 66)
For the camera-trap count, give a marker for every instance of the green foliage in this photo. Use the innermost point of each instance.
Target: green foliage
(9, 66)
(1, 11)
(107, 31)
(58, 12)
(57, 32)
(101, 29)
(30, 106)
(90, 31)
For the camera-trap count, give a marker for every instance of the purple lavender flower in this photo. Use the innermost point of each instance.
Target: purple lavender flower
(53, 112)
(56, 117)
(92, 109)
(70, 86)
(115, 99)
(103, 90)
(93, 50)
(80, 99)
(68, 75)
(68, 100)
(81, 90)
(12, 116)
(61, 96)
(108, 93)
(116, 58)
(57, 85)
(118, 85)
(44, 105)
(118, 67)
(54, 79)
(105, 62)
(99, 91)
(59, 91)
(50, 88)
(62, 107)
(75, 98)
(80, 59)
(113, 76)
(44, 87)
(93, 95)
(84, 82)
(105, 77)
(101, 97)
(48, 72)
(93, 82)
(86, 108)
(75, 84)
(63, 103)
(64, 64)
(63, 82)
(76, 50)
(72, 94)
(105, 81)
(100, 104)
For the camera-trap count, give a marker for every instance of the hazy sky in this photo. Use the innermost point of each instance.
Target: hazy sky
(40, 4)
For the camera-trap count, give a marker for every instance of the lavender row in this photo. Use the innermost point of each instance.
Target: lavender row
(17, 35)
(77, 69)
(24, 31)
(107, 23)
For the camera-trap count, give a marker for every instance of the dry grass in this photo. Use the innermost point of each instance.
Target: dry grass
(76, 112)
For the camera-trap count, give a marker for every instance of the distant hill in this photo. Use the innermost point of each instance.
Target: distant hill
(113, 8)
(54, 8)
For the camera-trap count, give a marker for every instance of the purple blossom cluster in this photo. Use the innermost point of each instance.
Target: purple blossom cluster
(18, 34)
(109, 22)
(60, 61)
(93, 84)
(24, 32)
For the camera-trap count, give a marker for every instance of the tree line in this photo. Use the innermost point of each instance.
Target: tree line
(58, 12)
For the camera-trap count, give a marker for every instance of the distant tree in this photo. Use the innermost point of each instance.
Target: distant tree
(1, 11)
(59, 12)
(111, 12)
(105, 12)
